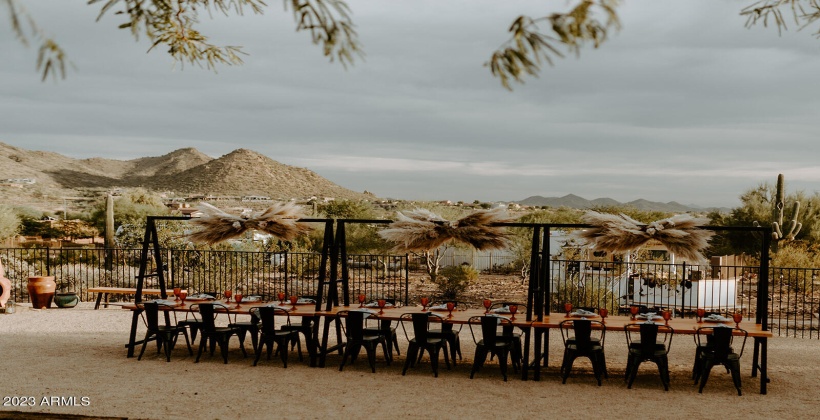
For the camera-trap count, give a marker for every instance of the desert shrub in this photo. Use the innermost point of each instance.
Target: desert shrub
(453, 281)
(583, 292)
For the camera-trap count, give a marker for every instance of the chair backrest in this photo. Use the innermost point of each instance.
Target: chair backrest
(206, 310)
(723, 339)
(151, 311)
(420, 326)
(651, 334)
(489, 327)
(582, 332)
(267, 314)
(354, 323)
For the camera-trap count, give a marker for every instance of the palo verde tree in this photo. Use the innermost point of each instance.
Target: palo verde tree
(532, 42)
(9, 222)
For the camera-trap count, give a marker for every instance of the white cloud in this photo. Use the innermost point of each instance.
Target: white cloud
(684, 103)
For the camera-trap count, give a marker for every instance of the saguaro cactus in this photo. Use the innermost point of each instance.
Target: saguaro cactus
(109, 231)
(784, 231)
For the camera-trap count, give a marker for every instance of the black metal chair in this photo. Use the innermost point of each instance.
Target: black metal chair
(386, 328)
(245, 327)
(270, 335)
(305, 327)
(450, 332)
(422, 341)
(211, 333)
(653, 346)
(165, 335)
(490, 343)
(509, 332)
(583, 344)
(353, 326)
(721, 353)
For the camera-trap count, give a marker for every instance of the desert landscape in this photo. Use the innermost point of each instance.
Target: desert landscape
(77, 355)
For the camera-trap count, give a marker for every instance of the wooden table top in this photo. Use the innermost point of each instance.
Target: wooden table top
(612, 323)
(680, 325)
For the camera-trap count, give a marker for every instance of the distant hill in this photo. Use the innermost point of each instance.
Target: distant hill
(183, 172)
(576, 202)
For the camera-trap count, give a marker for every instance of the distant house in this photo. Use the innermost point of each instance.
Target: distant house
(18, 181)
(255, 198)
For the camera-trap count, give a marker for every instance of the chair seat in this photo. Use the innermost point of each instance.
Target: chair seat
(660, 350)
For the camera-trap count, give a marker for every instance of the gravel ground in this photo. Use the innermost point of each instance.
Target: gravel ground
(77, 356)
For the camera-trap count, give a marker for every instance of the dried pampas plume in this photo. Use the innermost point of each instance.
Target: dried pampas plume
(280, 220)
(618, 233)
(423, 230)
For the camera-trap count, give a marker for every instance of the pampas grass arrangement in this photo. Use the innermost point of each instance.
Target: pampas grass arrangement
(618, 233)
(280, 220)
(423, 230)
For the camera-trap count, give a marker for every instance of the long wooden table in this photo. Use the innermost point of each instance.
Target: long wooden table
(534, 331)
(106, 291)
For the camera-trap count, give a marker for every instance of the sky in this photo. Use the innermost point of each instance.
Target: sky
(683, 104)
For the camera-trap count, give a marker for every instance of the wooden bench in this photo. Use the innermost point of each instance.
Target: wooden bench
(105, 291)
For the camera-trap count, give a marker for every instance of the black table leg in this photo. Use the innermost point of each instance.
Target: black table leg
(538, 354)
(132, 338)
(525, 364)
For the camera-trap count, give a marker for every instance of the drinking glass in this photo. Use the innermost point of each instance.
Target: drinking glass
(424, 302)
(227, 295)
(701, 313)
(634, 311)
(450, 307)
(603, 312)
(666, 315)
(513, 310)
(293, 300)
(238, 298)
(281, 297)
(176, 293)
(362, 298)
(182, 296)
(487, 304)
(567, 308)
(737, 317)
(382, 303)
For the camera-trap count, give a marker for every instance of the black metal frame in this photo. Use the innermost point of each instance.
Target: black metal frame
(151, 241)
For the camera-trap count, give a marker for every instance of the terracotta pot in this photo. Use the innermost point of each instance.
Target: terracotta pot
(66, 300)
(41, 291)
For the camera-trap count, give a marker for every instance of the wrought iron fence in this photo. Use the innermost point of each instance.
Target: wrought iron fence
(257, 273)
(793, 293)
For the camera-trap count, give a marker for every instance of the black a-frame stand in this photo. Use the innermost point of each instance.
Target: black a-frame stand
(151, 248)
(150, 243)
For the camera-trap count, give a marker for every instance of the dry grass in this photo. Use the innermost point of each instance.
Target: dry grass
(619, 233)
(423, 230)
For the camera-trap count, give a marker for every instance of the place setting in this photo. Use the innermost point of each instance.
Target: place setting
(579, 312)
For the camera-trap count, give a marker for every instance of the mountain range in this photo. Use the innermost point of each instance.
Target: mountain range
(32, 176)
(576, 202)
(42, 179)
